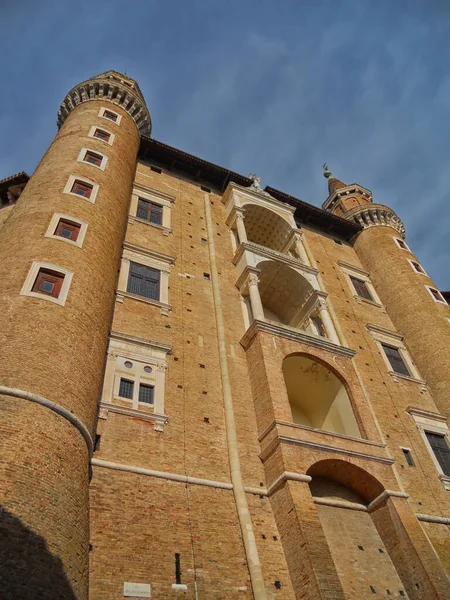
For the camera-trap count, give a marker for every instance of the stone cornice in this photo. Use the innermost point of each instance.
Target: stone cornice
(140, 187)
(155, 418)
(138, 341)
(426, 414)
(259, 195)
(293, 334)
(108, 88)
(374, 215)
(272, 254)
(350, 267)
(150, 253)
(384, 331)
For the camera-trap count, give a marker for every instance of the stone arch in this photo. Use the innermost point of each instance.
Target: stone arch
(266, 228)
(284, 293)
(318, 395)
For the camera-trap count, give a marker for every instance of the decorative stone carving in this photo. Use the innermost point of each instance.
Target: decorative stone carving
(371, 215)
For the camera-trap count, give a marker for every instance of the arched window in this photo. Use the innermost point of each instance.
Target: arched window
(317, 397)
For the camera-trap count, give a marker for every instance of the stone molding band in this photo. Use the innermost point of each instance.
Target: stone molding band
(372, 215)
(56, 408)
(434, 519)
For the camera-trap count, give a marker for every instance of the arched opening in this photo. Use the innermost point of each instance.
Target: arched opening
(341, 492)
(284, 293)
(317, 396)
(266, 228)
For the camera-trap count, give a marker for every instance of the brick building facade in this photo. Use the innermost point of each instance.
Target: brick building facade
(210, 390)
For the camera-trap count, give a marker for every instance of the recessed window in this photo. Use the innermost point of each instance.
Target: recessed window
(146, 393)
(436, 294)
(395, 360)
(144, 281)
(100, 134)
(48, 282)
(110, 115)
(361, 288)
(68, 229)
(148, 369)
(126, 388)
(156, 169)
(338, 242)
(82, 189)
(401, 244)
(149, 211)
(93, 158)
(128, 364)
(408, 457)
(205, 189)
(441, 450)
(417, 267)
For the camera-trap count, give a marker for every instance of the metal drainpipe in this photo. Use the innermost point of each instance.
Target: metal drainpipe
(245, 521)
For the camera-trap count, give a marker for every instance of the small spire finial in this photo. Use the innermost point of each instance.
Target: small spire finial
(326, 171)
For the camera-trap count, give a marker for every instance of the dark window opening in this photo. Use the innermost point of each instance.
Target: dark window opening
(402, 244)
(102, 135)
(68, 230)
(177, 568)
(417, 267)
(126, 388)
(361, 288)
(144, 281)
(149, 211)
(395, 360)
(408, 457)
(338, 242)
(93, 159)
(441, 450)
(97, 442)
(110, 115)
(48, 282)
(146, 393)
(436, 294)
(205, 189)
(82, 189)
(156, 169)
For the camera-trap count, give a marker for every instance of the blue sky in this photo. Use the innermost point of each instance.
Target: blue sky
(275, 88)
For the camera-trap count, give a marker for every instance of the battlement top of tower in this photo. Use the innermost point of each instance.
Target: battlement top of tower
(110, 86)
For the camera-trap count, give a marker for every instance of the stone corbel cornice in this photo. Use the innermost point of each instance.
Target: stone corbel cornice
(374, 215)
(111, 90)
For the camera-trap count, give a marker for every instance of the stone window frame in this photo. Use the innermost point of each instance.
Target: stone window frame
(442, 299)
(33, 272)
(359, 273)
(71, 181)
(81, 158)
(412, 262)
(56, 217)
(381, 335)
(156, 197)
(427, 421)
(149, 258)
(144, 352)
(101, 113)
(397, 240)
(94, 128)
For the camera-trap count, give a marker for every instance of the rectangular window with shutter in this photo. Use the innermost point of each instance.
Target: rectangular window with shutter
(149, 211)
(144, 281)
(361, 288)
(441, 450)
(395, 360)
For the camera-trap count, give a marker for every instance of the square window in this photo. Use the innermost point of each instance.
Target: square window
(93, 158)
(126, 388)
(102, 135)
(146, 393)
(82, 189)
(441, 450)
(149, 211)
(48, 282)
(110, 115)
(401, 244)
(68, 229)
(395, 360)
(417, 267)
(144, 281)
(361, 288)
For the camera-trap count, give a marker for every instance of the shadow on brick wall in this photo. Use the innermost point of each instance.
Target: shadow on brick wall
(28, 570)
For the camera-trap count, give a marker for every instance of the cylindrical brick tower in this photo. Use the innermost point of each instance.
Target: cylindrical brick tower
(59, 258)
(412, 300)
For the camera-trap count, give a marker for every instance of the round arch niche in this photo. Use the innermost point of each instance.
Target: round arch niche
(317, 396)
(266, 228)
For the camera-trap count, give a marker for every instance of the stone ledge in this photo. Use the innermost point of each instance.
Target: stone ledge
(295, 335)
(158, 420)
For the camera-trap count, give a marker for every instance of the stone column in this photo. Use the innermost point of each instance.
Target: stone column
(255, 298)
(242, 234)
(327, 322)
(301, 249)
